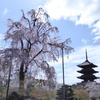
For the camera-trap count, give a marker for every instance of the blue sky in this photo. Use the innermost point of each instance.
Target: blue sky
(75, 19)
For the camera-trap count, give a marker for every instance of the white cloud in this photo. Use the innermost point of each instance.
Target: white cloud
(80, 11)
(84, 41)
(5, 11)
(76, 58)
(96, 30)
(1, 36)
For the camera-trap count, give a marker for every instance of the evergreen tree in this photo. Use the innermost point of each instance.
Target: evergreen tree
(69, 94)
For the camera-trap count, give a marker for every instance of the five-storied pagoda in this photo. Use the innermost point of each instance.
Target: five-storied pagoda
(87, 71)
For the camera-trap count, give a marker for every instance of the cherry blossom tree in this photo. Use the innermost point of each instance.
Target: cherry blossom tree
(33, 46)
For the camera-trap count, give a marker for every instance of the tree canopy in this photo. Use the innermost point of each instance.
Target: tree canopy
(32, 45)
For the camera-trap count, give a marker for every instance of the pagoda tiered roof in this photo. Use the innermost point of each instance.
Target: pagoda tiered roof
(86, 63)
(89, 77)
(87, 70)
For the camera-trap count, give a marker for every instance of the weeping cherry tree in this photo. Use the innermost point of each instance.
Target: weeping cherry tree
(33, 45)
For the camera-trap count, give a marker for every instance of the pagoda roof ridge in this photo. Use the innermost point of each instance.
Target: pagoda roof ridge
(86, 63)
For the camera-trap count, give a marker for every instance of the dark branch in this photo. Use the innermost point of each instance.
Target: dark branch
(26, 19)
(22, 44)
(36, 55)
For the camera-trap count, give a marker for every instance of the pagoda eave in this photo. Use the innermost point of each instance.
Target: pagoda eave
(86, 64)
(92, 66)
(88, 77)
(86, 71)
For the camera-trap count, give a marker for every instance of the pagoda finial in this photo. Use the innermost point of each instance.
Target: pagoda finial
(86, 54)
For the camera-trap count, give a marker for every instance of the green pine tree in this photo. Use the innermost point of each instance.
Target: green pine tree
(69, 94)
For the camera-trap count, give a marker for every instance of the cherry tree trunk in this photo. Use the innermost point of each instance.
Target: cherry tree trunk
(21, 80)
